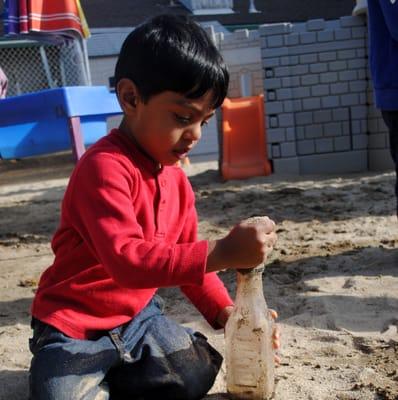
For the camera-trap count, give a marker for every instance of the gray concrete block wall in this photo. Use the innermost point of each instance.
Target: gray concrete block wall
(256, 74)
(242, 54)
(316, 85)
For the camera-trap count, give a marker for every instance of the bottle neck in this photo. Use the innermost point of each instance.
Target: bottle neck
(249, 283)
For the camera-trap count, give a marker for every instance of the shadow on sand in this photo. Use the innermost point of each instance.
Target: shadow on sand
(14, 385)
(321, 199)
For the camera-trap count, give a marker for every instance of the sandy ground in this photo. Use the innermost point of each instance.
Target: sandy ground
(333, 276)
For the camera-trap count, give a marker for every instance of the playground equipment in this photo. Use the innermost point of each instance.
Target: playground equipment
(243, 138)
(53, 120)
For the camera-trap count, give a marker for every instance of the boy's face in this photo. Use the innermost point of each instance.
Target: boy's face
(169, 125)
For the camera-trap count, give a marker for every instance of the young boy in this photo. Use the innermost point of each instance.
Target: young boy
(128, 226)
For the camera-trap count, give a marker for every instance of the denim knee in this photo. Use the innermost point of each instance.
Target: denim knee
(189, 364)
(187, 373)
(197, 371)
(63, 368)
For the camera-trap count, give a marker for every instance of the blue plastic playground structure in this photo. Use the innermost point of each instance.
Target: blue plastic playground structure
(55, 120)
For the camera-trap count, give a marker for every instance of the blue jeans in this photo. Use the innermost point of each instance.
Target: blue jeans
(151, 357)
(391, 120)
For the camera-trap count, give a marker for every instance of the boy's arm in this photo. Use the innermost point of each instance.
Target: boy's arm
(245, 246)
(223, 316)
(99, 205)
(211, 298)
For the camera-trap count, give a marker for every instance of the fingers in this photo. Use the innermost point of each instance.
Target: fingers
(273, 238)
(276, 333)
(248, 244)
(268, 241)
(276, 339)
(273, 313)
(264, 224)
(267, 225)
(276, 343)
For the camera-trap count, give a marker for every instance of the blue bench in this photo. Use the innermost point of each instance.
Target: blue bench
(54, 120)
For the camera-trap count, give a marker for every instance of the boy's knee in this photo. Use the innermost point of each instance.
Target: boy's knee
(67, 388)
(196, 384)
(46, 384)
(198, 369)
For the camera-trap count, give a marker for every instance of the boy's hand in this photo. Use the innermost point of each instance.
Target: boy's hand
(276, 334)
(246, 246)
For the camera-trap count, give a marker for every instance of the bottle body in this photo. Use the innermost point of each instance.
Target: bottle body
(249, 353)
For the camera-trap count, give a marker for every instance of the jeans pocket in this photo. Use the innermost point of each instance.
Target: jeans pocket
(40, 333)
(158, 302)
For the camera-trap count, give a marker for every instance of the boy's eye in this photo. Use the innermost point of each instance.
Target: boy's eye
(206, 121)
(186, 120)
(182, 119)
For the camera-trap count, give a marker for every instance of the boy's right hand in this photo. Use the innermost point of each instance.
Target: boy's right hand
(246, 246)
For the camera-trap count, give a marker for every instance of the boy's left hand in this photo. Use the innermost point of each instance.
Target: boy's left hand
(226, 312)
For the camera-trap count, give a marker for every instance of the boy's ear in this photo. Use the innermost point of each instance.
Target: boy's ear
(127, 94)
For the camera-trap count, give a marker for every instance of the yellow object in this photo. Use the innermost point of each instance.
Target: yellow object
(85, 29)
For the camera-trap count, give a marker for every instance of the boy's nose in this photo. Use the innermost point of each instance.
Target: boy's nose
(194, 133)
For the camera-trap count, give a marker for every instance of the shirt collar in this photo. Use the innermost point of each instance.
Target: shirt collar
(138, 154)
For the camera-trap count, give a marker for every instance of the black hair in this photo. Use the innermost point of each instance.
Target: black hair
(172, 53)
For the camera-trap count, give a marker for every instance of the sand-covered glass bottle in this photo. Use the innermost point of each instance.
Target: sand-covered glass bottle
(249, 352)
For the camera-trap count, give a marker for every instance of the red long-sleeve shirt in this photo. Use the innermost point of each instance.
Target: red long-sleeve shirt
(126, 229)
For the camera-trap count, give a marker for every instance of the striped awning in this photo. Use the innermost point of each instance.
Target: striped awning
(62, 17)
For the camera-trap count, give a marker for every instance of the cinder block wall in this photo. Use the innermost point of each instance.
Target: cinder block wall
(319, 109)
(242, 53)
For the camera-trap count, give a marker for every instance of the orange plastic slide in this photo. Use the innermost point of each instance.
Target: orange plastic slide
(243, 141)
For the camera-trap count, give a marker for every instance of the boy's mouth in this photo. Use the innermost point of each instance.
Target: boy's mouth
(182, 153)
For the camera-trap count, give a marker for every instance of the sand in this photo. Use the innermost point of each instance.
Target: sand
(333, 276)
